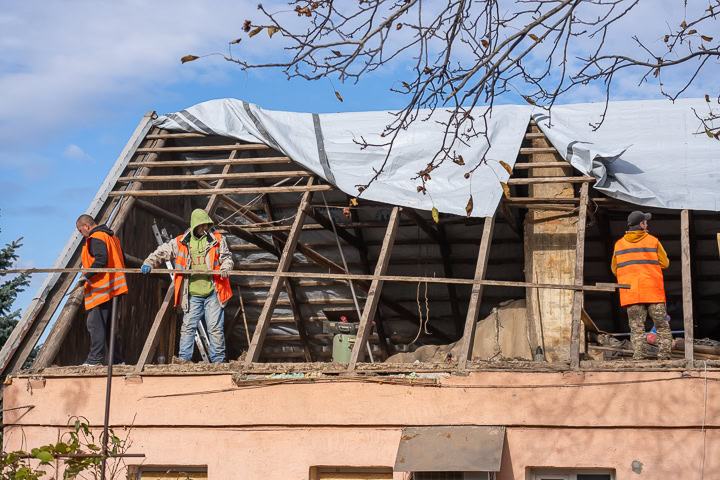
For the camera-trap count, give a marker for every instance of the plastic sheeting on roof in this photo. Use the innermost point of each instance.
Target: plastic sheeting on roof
(646, 152)
(652, 153)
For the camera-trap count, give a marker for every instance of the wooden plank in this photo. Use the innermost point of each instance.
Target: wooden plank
(152, 339)
(579, 273)
(373, 297)
(176, 135)
(536, 180)
(600, 287)
(545, 200)
(205, 148)
(687, 285)
(532, 135)
(531, 165)
(224, 191)
(365, 261)
(215, 163)
(63, 323)
(217, 176)
(289, 288)
(253, 353)
(532, 150)
(215, 198)
(476, 295)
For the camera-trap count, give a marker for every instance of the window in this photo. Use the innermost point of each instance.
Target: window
(572, 474)
(168, 473)
(451, 476)
(350, 473)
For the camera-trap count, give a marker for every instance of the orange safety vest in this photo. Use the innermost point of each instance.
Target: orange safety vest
(638, 265)
(104, 286)
(222, 285)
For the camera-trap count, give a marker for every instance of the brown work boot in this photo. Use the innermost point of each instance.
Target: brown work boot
(180, 361)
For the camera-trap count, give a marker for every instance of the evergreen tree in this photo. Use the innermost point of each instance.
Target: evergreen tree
(9, 290)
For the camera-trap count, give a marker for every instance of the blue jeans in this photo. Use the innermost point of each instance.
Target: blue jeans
(214, 314)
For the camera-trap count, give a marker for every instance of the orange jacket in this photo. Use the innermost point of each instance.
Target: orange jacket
(101, 287)
(639, 264)
(222, 285)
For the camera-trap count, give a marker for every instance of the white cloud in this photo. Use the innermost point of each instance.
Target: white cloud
(65, 63)
(75, 152)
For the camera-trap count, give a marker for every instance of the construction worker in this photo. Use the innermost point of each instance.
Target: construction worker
(638, 260)
(100, 249)
(199, 248)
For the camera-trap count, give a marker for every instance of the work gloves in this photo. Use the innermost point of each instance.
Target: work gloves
(145, 269)
(82, 281)
(224, 273)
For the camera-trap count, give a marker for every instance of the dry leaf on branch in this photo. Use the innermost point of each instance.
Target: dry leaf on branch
(188, 58)
(354, 202)
(337, 94)
(507, 167)
(706, 38)
(272, 31)
(435, 215)
(533, 36)
(459, 160)
(529, 100)
(255, 32)
(506, 189)
(469, 206)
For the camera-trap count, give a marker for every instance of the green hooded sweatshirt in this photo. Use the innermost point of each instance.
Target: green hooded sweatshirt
(200, 285)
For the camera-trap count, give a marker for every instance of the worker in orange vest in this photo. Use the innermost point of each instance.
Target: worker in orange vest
(100, 249)
(638, 260)
(199, 248)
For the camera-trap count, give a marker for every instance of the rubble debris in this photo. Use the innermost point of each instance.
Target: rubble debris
(502, 335)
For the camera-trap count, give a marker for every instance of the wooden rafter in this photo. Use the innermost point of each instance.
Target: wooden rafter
(163, 312)
(476, 295)
(62, 325)
(365, 261)
(375, 290)
(225, 191)
(289, 288)
(263, 323)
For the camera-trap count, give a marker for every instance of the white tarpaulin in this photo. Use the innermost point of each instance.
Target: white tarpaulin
(646, 152)
(652, 153)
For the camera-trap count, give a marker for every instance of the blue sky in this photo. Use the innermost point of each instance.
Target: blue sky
(76, 77)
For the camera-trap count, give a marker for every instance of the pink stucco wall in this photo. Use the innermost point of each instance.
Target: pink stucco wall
(279, 431)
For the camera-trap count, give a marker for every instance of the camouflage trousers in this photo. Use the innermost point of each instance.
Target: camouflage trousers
(636, 317)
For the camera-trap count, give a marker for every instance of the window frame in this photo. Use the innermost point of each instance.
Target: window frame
(315, 471)
(135, 471)
(568, 473)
